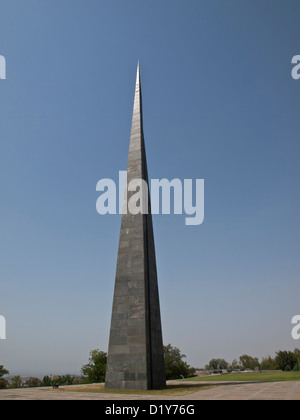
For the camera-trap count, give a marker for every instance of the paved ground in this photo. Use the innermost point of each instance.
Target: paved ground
(226, 391)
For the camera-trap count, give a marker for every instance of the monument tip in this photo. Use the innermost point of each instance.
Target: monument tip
(138, 74)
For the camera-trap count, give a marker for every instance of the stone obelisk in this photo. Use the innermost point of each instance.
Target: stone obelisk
(135, 353)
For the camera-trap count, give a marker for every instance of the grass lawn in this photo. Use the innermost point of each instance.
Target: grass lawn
(255, 376)
(170, 390)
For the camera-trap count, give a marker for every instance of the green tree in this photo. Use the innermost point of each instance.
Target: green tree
(33, 382)
(46, 381)
(234, 365)
(16, 382)
(249, 362)
(95, 370)
(68, 380)
(297, 354)
(267, 363)
(175, 366)
(215, 364)
(285, 359)
(3, 382)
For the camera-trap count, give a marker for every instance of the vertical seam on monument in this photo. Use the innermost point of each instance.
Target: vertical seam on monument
(147, 278)
(146, 253)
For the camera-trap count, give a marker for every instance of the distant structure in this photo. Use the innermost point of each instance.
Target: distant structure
(135, 353)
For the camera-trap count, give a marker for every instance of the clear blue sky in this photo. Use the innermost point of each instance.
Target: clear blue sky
(219, 103)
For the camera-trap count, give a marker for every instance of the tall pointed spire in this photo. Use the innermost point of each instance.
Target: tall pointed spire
(138, 73)
(135, 353)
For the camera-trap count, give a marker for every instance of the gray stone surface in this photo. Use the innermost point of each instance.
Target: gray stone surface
(135, 353)
(289, 390)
